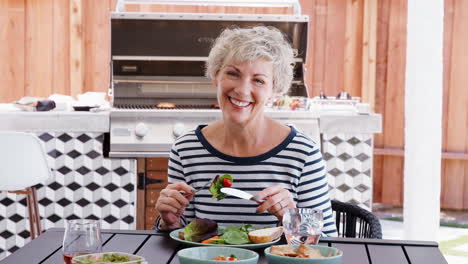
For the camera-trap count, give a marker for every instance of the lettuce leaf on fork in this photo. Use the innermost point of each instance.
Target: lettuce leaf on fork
(217, 184)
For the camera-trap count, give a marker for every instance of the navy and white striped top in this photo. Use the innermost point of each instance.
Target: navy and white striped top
(296, 163)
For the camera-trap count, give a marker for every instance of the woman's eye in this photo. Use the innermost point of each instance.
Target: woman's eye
(259, 81)
(232, 73)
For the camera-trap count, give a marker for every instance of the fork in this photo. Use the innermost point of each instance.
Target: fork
(199, 188)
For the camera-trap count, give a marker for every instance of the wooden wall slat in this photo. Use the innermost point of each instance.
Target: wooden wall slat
(61, 47)
(308, 7)
(353, 47)
(77, 52)
(12, 19)
(96, 45)
(369, 47)
(394, 106)
(334, 51)
(317, 64)
(38, 54)
(465, 183)
(380, 87)
(448, 35)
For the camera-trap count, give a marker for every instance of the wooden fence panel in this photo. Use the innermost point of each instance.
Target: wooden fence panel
(316, 63)
(394, 102)
(96, 45)
(335, 45)
(448, 35)
(38, 53)
(455, 180)
(12, 19)
(61, 47)
(353, 47)
(380, 87)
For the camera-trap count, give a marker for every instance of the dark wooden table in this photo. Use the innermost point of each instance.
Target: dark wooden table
(159, 248)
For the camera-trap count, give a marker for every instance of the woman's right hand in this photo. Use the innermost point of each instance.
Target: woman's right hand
(171, 203)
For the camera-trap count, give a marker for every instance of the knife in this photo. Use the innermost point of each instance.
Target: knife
(240, 194)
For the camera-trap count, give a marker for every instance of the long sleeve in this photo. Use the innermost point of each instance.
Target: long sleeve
(175, 174)
(312, 191)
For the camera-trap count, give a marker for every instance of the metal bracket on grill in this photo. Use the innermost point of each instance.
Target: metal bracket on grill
(144, 181)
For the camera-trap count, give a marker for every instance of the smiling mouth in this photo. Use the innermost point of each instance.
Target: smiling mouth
(239, 103)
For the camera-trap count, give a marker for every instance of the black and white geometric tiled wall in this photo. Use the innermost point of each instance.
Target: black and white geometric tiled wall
(349, 166)
(83, 184)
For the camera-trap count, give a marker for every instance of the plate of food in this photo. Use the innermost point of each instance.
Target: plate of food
(206, 232)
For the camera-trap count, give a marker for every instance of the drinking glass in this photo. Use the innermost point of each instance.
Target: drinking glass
(81, 237)
(303, 225)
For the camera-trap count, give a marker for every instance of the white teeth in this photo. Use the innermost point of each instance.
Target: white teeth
(238, 103)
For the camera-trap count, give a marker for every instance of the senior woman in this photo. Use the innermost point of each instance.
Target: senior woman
(275, 162)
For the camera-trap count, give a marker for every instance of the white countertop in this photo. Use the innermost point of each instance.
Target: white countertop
(350, 124)
(14, 119)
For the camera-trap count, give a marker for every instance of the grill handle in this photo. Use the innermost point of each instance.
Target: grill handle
(120, 5)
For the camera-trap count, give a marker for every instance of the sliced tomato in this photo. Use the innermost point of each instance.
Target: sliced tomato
(227, 182)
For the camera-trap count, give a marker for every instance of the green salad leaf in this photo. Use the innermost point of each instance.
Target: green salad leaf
(233, 235)
(216, 186)
(200, 229)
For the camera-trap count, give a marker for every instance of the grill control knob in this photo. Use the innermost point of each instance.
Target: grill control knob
(178, 129)
(141, 130)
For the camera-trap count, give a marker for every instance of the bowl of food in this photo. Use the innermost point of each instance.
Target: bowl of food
(214, 255)
(303, 254)
(108, 258)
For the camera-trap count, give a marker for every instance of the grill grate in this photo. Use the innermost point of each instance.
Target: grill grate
(150, 107)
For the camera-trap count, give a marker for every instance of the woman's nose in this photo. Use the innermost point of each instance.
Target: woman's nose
(244, 87)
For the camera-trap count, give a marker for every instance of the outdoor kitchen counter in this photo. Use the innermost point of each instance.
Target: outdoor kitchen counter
(63, 121)
(347, 142)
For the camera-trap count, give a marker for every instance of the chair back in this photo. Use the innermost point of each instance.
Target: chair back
(23, 161)
(354, 221)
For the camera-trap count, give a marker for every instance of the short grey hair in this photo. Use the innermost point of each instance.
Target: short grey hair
(247, 44)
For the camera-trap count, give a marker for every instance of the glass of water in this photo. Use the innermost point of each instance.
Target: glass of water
(303, 225)
(81, 237)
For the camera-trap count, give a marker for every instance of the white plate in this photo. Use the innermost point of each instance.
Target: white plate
(175, 235)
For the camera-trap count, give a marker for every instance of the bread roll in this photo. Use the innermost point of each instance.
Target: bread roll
(265, 235)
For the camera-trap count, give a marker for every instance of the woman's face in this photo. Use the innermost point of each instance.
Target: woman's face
(243, 89)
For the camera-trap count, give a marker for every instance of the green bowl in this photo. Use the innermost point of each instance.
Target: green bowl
(199, 255)
(336, 259)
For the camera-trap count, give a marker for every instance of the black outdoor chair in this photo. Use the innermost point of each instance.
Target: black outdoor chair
(354, 221)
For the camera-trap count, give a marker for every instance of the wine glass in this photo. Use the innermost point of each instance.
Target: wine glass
(81, 237)
(303, 225)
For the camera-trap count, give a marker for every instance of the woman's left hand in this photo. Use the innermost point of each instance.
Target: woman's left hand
(277, 201)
